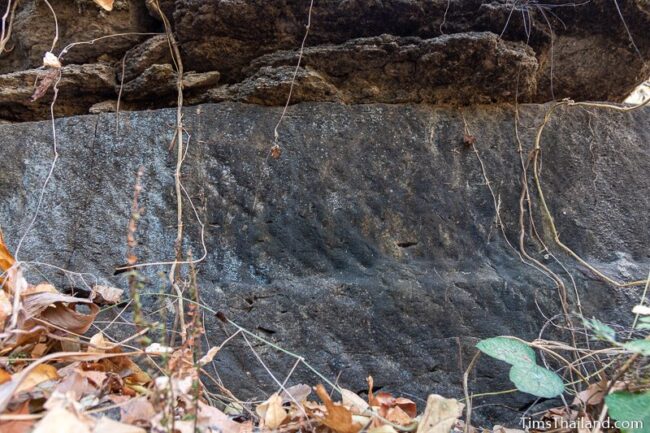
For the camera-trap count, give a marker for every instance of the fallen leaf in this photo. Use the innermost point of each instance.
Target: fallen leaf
(105, 295)
(353, 401)
(440, 415)
(107, 5)
(383, 429)
(211, 418)
(593, 395)
(18, 426)
(45, 81)
(38, 375)
(5, 308)
(137, 410)
(338, 418)
(298, 393)
(99, 344)
(271, 412)
(107, 425)
(276, 151)
(158, 348)
(39, 288)
(38, 350)
(397, 416)
(4, 376)
(209, 356)
(501, 429)
(61, 420)
(6, 259)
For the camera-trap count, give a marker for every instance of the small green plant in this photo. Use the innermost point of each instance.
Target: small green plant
(527, 376)
(633, 409)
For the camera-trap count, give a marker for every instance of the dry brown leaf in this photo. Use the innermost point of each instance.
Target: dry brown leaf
(6, 258)
(61, 420)
(36, 376)
(38, 350)
(593, 395)
(440, 415)
(397, 416)
(5, 308)
(209, 356)
(18, 426)
(213, 419)
(107, 5)
(298, 393)
(99, 344)
(107, 425)
(137, 410)
(353, 401)
(338, 418)
(39, 288)
(383, 429)
(4, 376)
(271, 412)
(502, 429)
(45, 81)
(105, 295)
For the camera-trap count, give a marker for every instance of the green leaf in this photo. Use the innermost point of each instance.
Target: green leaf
(639, 346)
(536, 380)
(628, 407)
(512, 351)
(644, 323)
(601, 331)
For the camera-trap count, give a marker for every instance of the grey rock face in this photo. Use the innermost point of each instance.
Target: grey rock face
(369, 247)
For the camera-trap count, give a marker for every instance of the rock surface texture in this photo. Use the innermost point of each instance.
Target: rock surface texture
(436, 51)
(369, 246)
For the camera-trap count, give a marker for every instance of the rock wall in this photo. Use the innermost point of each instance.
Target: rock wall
(369, 246)
(392, 51)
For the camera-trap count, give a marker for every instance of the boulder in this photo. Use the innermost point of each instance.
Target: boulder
(370, 246)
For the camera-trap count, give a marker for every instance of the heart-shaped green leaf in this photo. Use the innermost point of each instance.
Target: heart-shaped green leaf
(512, 351)
(536, 380)
(631, 411)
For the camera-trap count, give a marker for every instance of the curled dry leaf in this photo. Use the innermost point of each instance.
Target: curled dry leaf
(61, 420)
(440, 415)
(107, 425)
(6, 259)
(158, 348)
(5, 308)
(138, 410)
(397, 416)
(216, 421)
(209, 356)
(99, 344)
(353, 401)
(18, 426)
(107, 5)
(42, 373)
(271, 412)
(338, 417)
(297, 393)
(593, 395)
(46, 80)
(105, 295)
(4, 376)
